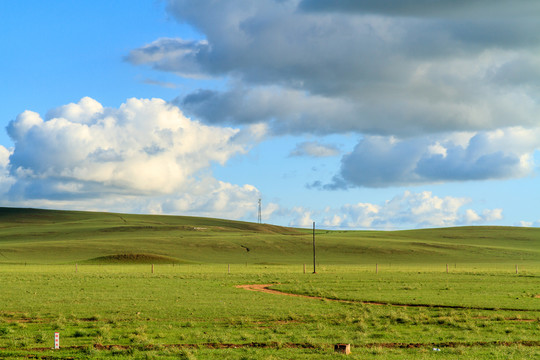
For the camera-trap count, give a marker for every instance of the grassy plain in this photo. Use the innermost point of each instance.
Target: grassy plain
(88, 277)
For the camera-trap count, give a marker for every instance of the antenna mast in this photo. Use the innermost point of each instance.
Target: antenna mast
(259, 218)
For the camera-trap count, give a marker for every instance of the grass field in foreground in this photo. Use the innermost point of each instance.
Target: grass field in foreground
(88, 276)
(196, 312)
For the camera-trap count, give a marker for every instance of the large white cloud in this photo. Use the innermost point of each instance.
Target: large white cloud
(143, 156)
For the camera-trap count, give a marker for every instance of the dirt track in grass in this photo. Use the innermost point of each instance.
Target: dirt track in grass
(265, 288)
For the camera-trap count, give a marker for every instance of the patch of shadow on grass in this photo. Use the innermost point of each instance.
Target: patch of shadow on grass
(135, 259)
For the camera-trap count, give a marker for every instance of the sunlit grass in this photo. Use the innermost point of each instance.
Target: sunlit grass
(132, 286)
(187, 307)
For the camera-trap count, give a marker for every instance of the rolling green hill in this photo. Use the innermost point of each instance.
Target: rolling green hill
(51, 236)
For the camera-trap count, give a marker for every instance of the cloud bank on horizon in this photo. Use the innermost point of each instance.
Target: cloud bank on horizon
(422, 209)
(434, 91)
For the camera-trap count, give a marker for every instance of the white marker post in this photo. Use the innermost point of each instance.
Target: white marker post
(57, 340)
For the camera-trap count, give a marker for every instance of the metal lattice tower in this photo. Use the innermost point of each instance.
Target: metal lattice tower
(259, 218)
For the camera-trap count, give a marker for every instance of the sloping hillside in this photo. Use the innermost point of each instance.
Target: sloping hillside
(51, 236)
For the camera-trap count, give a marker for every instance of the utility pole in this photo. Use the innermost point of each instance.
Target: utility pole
(314, 258)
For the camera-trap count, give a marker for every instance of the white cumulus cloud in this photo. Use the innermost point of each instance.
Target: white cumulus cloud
(301, 217)
(144, 156)
(379, 161)
(5, 178)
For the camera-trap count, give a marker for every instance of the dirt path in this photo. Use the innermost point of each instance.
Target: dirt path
(265, 288)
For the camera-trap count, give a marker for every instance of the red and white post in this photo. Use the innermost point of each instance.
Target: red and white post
(57, 340)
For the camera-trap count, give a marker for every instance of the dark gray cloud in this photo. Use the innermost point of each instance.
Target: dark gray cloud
(285, 110)
(523, 71)
(404, 112)
(272, 42)
(407, 69)
(377, 74)
(427, 8)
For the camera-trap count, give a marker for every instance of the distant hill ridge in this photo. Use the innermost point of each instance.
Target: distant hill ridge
(58, 236)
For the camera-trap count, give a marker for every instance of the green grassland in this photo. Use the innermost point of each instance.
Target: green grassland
(118, 286)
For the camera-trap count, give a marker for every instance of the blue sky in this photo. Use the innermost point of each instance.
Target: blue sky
(352, 114)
